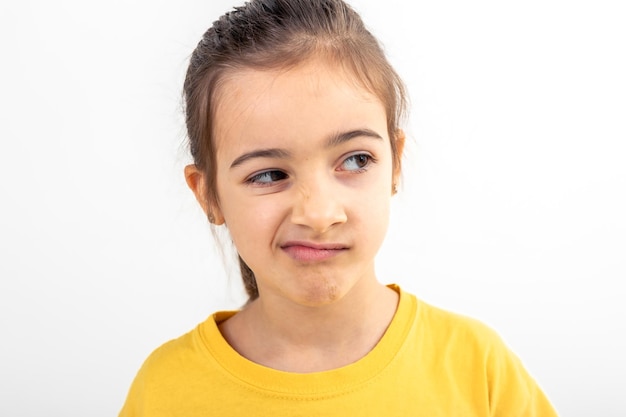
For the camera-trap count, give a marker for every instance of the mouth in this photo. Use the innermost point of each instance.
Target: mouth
(312, 252)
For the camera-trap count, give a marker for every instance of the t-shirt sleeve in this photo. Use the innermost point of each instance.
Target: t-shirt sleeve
(513, 391)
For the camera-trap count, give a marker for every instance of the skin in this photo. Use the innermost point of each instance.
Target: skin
(304, 182)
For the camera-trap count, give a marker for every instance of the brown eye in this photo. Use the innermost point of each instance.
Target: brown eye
(356, 162)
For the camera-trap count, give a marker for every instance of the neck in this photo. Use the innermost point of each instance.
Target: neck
(297, 338)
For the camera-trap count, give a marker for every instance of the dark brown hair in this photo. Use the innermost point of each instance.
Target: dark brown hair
(278, 34)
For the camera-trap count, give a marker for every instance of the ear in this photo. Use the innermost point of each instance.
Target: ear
(400, 139)
(196, 182)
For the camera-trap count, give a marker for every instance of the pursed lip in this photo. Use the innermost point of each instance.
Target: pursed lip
(304, 251)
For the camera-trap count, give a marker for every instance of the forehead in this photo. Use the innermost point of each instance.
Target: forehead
(308, 101)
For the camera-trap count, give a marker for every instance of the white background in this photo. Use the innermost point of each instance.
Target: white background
(512, 208)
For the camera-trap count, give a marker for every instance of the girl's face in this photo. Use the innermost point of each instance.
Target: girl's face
(304, 180)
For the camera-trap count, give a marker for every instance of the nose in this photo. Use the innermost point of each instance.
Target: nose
(318, 206)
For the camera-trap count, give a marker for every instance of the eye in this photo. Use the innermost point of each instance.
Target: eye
(266, 177)
(357, 163)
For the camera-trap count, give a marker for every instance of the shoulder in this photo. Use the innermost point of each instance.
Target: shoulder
(190, 347)
(169, 369)
(162, 364)
(164, 358)
(471, 350)
(187, 354)
(470, 335)
(450, 327)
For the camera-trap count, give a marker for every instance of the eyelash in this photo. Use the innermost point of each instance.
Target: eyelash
(256, 178)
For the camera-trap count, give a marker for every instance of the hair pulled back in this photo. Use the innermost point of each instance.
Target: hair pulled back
(278, 34)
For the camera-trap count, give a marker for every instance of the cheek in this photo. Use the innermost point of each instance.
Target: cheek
(369, 208)
(251, 221)
(378, 208)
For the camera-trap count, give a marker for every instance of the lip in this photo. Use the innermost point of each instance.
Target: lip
(312, 252)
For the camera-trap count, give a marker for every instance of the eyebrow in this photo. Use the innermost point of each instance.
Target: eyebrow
(261, 153)
(339, 138)
(332, 141)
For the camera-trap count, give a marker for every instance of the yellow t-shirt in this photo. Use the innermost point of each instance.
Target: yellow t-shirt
(429, 363)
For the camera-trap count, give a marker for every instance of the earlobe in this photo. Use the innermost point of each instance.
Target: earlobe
(195, 179)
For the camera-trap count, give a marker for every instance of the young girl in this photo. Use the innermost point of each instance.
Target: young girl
(293, 117)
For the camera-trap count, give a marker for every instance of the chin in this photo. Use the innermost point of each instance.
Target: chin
(319, 295)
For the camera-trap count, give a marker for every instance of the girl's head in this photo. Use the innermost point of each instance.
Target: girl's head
(279, 35)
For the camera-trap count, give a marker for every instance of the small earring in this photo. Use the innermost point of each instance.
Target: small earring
(394, 188)
(211, 218)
